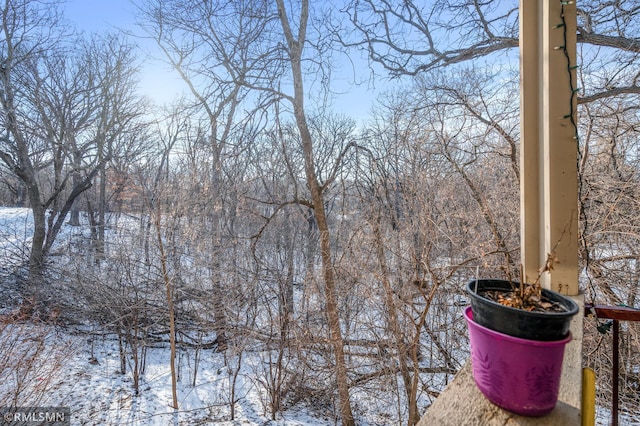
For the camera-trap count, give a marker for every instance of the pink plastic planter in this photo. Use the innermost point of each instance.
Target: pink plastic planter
(521, 376)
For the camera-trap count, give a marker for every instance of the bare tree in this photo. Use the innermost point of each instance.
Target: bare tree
(295, 47)
(28, 31)
(609, 249)
(210, 45)
(410, 38)
(117, 130)
(51, 97)
(420, 232)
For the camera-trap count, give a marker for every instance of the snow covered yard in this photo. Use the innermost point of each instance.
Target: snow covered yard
(48, 362)
(83, 373)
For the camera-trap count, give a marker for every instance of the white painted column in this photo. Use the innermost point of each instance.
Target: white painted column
(548, 148)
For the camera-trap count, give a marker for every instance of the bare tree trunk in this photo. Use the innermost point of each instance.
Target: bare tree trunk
(394, 325)
(219, 312)
(74, 217)
(219, 315)
(36, 256)
(102, 201)
(172, 323)
(295, 47)
(22, 166)
(286, 285)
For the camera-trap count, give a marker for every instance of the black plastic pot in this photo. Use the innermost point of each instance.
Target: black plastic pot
(545, 326)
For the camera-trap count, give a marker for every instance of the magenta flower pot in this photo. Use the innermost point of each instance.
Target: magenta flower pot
(522, 376)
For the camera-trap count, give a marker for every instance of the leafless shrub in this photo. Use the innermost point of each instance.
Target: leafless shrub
(31, 360)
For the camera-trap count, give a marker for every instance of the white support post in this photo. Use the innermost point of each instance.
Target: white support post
(548, 149)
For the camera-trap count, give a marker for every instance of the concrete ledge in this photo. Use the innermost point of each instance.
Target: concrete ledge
(462, 403)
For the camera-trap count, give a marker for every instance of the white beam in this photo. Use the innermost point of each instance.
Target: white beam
(549, 184)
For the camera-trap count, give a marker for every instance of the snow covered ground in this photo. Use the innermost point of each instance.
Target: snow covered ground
(80, 367)
(87, 379)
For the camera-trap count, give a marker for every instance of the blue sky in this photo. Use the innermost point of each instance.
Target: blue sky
(158, 81)
(162, 84)
(99, 14)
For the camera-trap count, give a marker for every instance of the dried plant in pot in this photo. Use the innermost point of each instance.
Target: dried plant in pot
(517, 335)
(526, 311)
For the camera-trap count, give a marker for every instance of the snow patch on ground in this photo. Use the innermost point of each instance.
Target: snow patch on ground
(89, 381)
